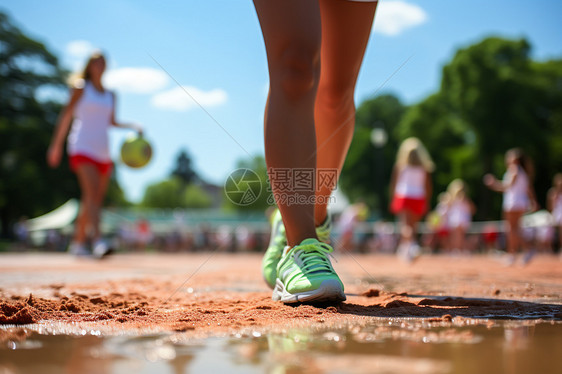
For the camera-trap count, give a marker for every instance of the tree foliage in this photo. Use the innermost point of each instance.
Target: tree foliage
(27, 186)
(367, 168)
(492, 97)
(506, 100)
(172, 193)
(181, 189)
(184, 168)
(257, 165)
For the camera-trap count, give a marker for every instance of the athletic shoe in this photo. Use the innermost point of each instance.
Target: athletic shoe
(278, 242)
(323, 232)
(101, 249)
(528, 256)
(305, 274)
(408, 251)
(78, 249)
(508, 260)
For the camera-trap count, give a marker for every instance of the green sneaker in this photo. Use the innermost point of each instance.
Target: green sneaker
(305, 274)
(278, 242)
(324, 230)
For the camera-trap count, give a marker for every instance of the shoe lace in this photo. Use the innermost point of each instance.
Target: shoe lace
(314, 257)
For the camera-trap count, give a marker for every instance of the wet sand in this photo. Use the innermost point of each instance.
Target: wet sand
(206, 294)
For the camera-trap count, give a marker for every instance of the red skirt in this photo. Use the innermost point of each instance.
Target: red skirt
(401, 204)
(104, 168)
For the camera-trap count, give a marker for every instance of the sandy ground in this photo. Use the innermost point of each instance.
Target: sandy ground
(216, 293)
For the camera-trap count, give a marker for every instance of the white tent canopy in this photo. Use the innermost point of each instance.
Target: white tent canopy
(61, 217)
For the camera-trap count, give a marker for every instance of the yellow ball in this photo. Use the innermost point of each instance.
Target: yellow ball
(136, 152)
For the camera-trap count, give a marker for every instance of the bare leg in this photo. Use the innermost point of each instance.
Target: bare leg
(292, 33)
(101, 190)
(513, 231)
(88, 178)
(408, 225)
(346, 27)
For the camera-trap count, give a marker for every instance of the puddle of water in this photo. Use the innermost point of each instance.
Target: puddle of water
(404, 345)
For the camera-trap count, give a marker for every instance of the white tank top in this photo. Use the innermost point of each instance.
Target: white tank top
(92, 118)
(459, 214)
(516, 197)
(411, 182)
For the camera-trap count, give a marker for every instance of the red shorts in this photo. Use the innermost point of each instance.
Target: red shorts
(443, 232)
(401, 204)
(104, 168)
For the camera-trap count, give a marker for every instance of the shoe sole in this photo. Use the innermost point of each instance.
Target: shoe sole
(104, 254)
(329, 291)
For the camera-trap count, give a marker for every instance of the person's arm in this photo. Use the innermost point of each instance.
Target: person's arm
(54, 153)
(131, 126)
(499, 186)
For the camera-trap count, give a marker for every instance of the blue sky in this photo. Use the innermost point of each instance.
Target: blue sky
(214, 49)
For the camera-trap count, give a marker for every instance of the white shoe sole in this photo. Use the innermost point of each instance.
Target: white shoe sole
(101, 250)
(329, 291)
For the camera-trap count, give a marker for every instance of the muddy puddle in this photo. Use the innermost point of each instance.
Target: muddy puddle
(382, 345)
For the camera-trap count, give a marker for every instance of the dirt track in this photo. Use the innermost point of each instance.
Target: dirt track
(211, 293)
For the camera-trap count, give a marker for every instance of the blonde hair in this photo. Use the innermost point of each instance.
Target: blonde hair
(77, 79)
(457, 189)
(413, 152)
(444, 197)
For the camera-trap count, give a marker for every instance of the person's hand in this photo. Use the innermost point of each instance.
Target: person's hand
(489, 180)
(54, 155)
(137, 127)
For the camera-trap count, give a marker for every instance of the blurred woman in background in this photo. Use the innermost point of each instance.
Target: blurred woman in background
(518, 198)
(410, 191)
(88, 114)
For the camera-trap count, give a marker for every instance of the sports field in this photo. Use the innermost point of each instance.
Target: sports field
(211, 312)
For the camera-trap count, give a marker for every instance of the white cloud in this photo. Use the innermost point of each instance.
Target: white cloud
(177, 99)
(79, 49)
(77, 52)
(394, 17)
(135, 80)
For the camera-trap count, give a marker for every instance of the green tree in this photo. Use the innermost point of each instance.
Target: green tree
(368, 166)
(166, 194)
(184, 168)
(196, 198)
(448, 139)
(493, 97)
(171, 193)
(257, 165)
(27, 186)
(506, 100)
(182, 189)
